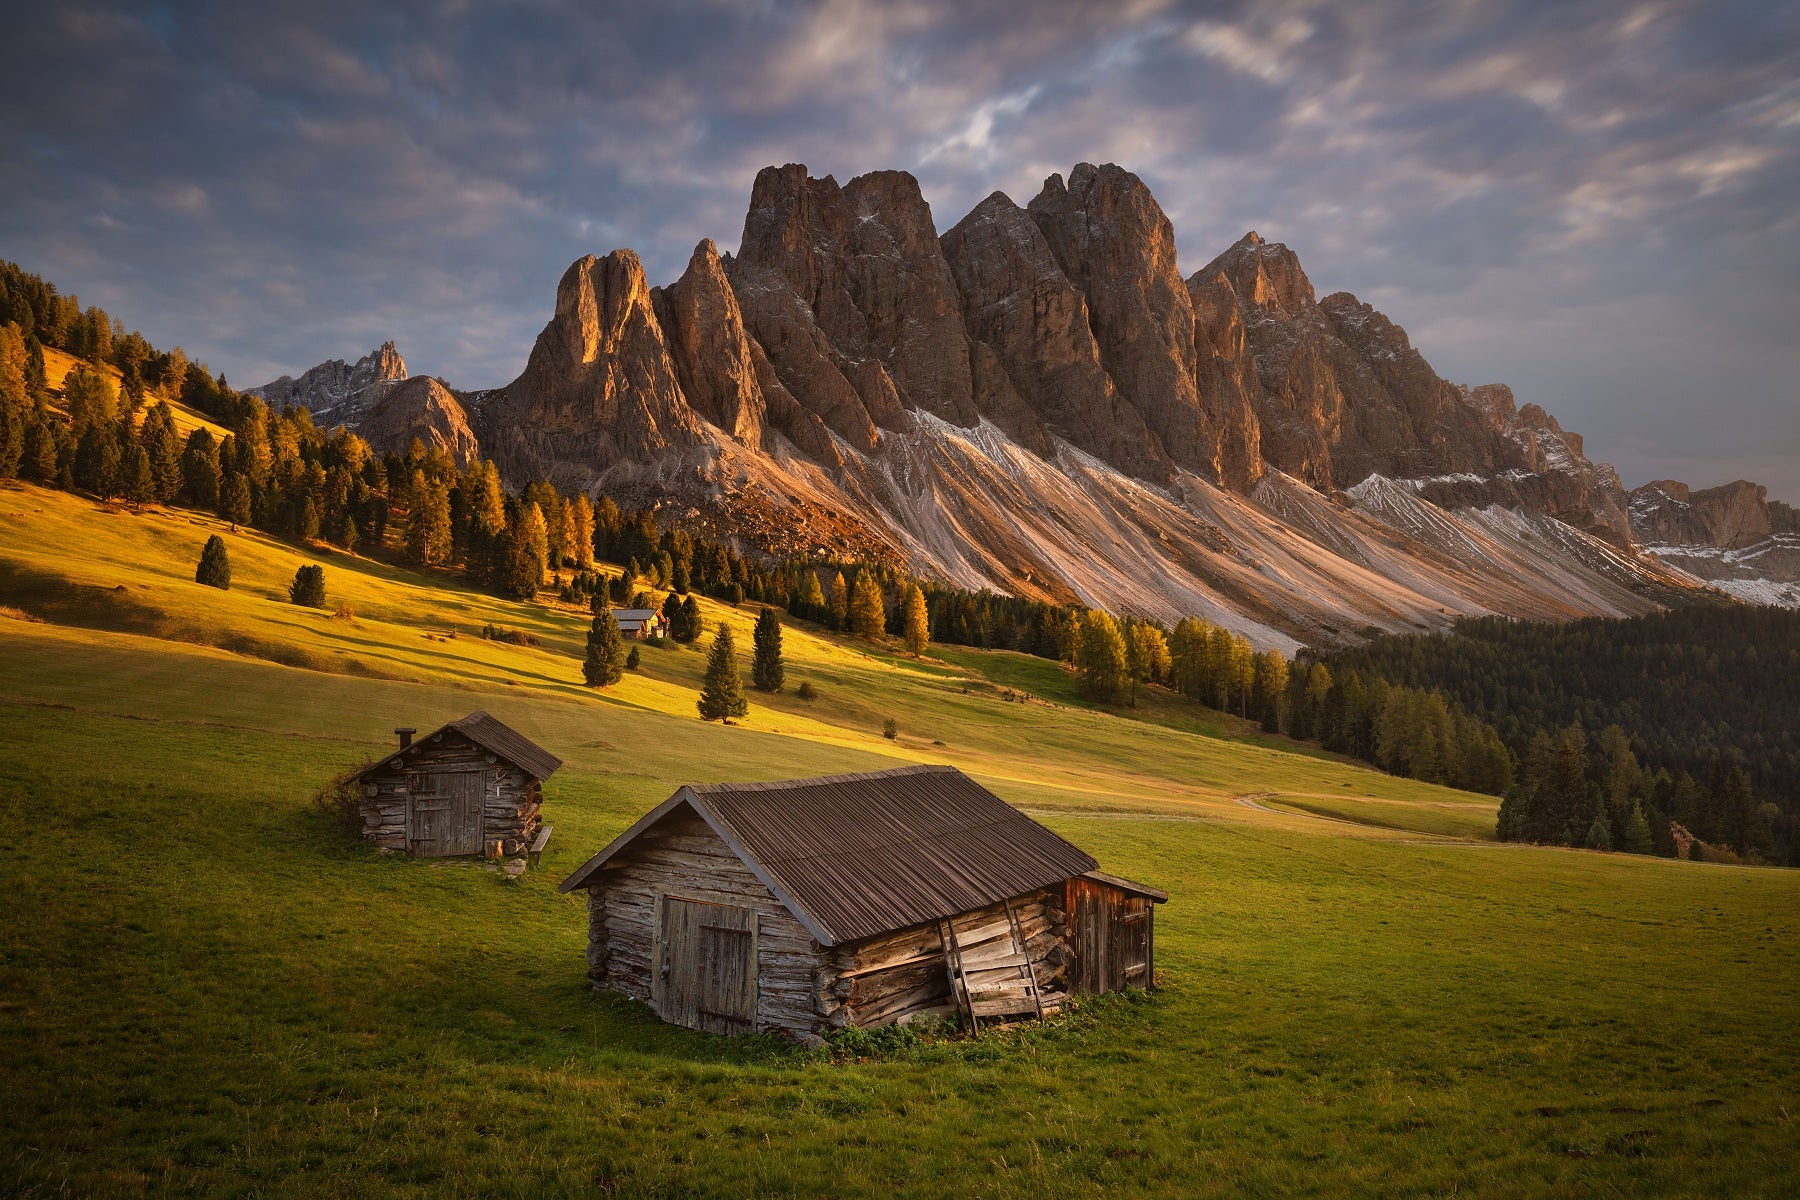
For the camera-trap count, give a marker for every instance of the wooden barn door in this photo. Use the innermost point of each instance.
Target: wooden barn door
(1110, 936)
(706, 966)
(445, 812)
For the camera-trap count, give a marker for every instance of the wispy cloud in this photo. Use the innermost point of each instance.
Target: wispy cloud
(1598, 203)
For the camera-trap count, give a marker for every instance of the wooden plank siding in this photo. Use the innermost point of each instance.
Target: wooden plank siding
(682, 859)
(508, 799)
(901, 976)
(1111, 935)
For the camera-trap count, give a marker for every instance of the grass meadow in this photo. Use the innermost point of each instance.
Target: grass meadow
(208, 988)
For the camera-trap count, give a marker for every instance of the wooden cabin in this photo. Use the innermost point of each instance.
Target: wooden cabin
(641, 624)
(807, 905)
(474, 787)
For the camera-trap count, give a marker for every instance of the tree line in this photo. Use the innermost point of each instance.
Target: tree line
(279, 473)
(1686, 715)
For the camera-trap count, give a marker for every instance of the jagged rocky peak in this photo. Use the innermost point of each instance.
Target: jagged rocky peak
(1115, 243)
(1020, 308)
(863, 261)
(337, 392)
(713, 360)
(1266, 274)
(422, 409)
(599, 388)
(1731, 516)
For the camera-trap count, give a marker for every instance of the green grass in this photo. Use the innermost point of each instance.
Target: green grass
(207, 988)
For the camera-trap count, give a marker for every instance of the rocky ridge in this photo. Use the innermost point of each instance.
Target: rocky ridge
(336, 392)
(1037, 401)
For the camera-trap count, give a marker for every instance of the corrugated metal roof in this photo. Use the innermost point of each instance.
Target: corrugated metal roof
(491, 735)
(859, 855)
(1126, 885)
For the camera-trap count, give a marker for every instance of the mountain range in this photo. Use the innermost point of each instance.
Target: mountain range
(1037, 401)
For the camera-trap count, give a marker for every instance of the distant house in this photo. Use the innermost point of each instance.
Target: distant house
(641, 623)
(473, 787)
(807, 905)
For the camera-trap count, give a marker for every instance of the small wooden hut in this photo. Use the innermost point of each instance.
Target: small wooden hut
(473, 787)
(807, 905)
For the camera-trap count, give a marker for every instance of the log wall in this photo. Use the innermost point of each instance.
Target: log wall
(681, 856)
(510, 803)
(902, 976)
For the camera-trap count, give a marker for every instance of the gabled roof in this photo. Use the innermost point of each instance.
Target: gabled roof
(496, 737)
(636, 614)
(1156, 895)
(853, 856)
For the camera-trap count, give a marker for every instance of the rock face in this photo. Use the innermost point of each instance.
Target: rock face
(599, 388)
(1038, 402)
(335, 392)
(424, 409)
(1730, 517)
(1732, 536)
(1341, 395)
(1114, 243)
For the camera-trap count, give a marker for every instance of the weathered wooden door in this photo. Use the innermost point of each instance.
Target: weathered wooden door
(445, 812)
(1110, 935)
(706, 966)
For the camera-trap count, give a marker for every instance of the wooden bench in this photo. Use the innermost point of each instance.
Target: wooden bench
(537, 843)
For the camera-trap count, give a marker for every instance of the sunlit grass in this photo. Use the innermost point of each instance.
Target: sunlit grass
(206, 987)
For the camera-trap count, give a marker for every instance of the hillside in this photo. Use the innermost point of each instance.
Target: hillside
(235, 997)
(1035, 400)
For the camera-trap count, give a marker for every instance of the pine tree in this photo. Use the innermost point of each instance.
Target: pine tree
(691, 624)
(918, 621)
(308, 588)
(234, 500)
(518, 573)
(1637, 832)
(215, 565)
(722, 695)
(766, 668)
(633, 659)
(200, 469)
(603, 666)
(137, 481)
(868, 616)
(1599, 836)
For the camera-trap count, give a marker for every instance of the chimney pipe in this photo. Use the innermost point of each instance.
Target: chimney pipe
(405, 737)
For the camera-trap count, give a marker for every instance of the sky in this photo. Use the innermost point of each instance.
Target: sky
(1596, 203)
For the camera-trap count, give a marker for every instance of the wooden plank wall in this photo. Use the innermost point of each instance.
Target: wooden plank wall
(1111, 937)
(681, 856)
(900, 977)
(510, 806)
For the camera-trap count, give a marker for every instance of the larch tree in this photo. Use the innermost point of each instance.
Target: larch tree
(767, 671)
(534, 534)
(868, 614)
(722, 694)
(581, 532)
(1102, 658)
(918, 621)
(837, 601)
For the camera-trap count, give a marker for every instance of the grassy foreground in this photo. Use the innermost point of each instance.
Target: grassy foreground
(205, 987)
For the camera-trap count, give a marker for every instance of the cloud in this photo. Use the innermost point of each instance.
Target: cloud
(1594, 202)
